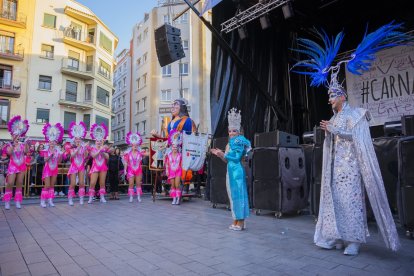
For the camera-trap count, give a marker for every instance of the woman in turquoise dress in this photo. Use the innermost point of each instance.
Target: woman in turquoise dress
(236, 149)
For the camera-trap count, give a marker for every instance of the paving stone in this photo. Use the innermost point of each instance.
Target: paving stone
(43, 268)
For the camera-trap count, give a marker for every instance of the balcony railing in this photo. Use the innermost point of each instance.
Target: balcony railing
(10, 88)
(78, 35)
(11, 54)
(16, 19)
(77, 68)
(74, 100)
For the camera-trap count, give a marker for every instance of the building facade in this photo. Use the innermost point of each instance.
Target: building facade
(71, 66)
(121, 98)
(154, 88)
(16, 29)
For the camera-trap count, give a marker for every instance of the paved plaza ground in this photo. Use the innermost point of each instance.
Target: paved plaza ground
(120, 238)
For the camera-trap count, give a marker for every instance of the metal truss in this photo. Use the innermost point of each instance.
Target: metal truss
(255, 11)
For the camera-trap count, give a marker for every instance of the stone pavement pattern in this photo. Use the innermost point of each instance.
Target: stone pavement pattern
(120, 238)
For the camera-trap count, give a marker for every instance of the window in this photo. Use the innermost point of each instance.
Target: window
(105, 42)
(89, 63)
(45, 82)
(6, 73)
(47, 51)
(166, 71)
(137, 106)
(185, 44)
(9, 10)
(166, 95)
(49, 20)
(104, 69)
(42, 115)
(144, 57)
(145, 33)
(68, 117)
(87, 120)
(184, 18)
(183, 69)
(123, 100)
(115, 136)
(138, 62)
(124, 81)
(186, 94)
(167, 18)
(143, 127)
(124, 66)
(102, 96)
(88, 92)
(139, 39)
(119, 135)
(100, 119)
(71, 91)
(123, 134)
(118, 118)
(144, 100)
(137, 127)
(119, 102)
(4, 112)
(123, 116)
(139, 83)
(7, 44)
(144, 80)
(73, 60)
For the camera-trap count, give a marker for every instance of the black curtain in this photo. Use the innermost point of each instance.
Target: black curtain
(268, 56)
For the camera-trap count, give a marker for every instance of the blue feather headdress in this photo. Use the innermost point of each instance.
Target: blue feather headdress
(318, 64)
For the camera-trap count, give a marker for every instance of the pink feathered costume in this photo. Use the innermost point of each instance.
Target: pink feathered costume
(77, 162)
(99, 162)
(51, 167)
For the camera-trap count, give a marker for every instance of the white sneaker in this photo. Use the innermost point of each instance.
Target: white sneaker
(139, 198)
(61, 193)
(174, 200)
(81, 200)
(90, 200)
(51, 203)
(177, 202)
(7, 205)
(352, 249)
(56, 193)
(70, 201)
(42, 204)
(18, 205)
(131, 198)
(103, 200)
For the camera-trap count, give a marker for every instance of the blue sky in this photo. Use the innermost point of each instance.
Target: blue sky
(120, 15)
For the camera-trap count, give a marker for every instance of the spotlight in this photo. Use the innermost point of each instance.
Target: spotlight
(265, 22)
(287, 10)
(242, 32)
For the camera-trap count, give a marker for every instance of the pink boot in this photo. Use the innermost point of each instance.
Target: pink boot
(71, 195)
(102, 193)
(173, 194)
(178, 197)
(51, 197)
(91, 195)
(81, 195)
(131, 194)
(7, 197)
(18, 198)
(43, 197)
(139, 193)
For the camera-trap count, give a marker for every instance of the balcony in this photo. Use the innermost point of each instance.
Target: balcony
(10, 88)
(13, 19)
(70, 100)
(78, 39)
(11, 55)
(74, 68)
(83, 16)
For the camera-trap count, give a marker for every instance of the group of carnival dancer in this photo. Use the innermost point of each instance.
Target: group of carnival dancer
(80, 151)
(349, 166)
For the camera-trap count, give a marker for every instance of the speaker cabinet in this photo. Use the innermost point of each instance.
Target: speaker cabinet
(168, 44)
(407, 125)
(275, 139)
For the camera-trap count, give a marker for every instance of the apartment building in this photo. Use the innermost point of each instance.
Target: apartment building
(16, 28)
(121, 98)
(71, 66)
(154, 88)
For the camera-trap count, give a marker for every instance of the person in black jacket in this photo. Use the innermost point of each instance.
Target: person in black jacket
(114, 166)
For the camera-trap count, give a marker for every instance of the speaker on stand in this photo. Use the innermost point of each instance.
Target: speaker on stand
(168, 44)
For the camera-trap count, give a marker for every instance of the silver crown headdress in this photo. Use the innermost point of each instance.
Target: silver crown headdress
(234, 118)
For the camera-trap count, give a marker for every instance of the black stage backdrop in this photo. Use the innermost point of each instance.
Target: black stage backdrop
(267, 54)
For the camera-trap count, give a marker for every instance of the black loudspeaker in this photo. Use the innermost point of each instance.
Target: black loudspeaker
(407, 125)
(316, 179)
(406, 183)
(168, 44)
(217, 172)
(318, 135)
(376, 131)
(279, 180)
(276, 139)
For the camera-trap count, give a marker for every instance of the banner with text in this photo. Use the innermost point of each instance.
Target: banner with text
(387, 90)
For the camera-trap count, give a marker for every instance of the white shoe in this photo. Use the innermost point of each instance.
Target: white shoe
(352, 249)
(139, 198)
(131, 198)
(174, 200)
(7, 205)
(61, 193)
(103, 200)
(18, 205)
(70, 201)
(51, 203)
(81, 200)
(177, 202)
(90, 200)
(56, 193)
(43, 204)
